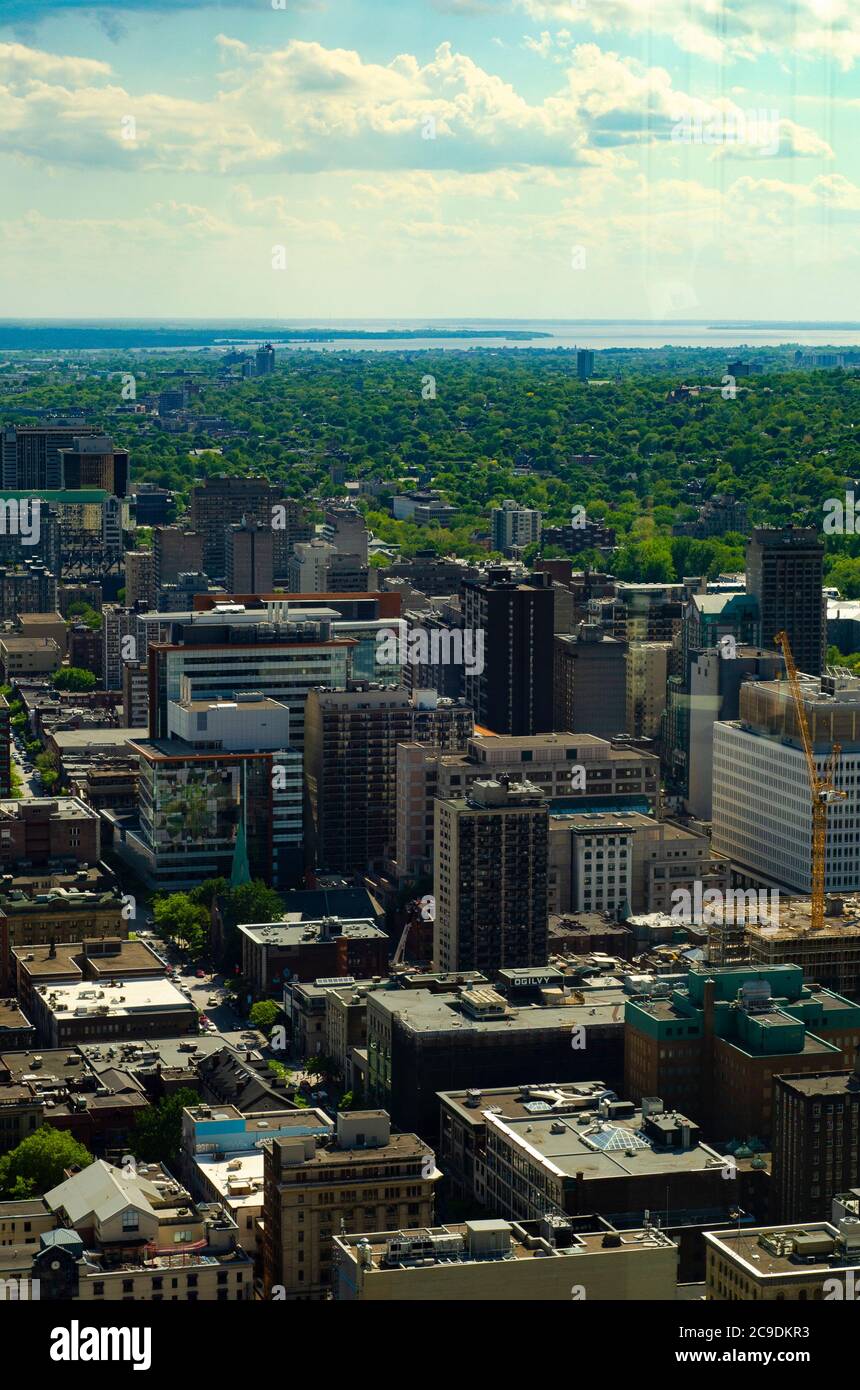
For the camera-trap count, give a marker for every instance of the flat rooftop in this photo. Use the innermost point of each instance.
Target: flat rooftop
(43, 807)
(68, 958)
(11, 1016)
(304, 933)
(509, 1240)
(512, 1102)
(179, 1053)
(87, 998)
(600, 1147)
(773, 1252)
(423, 1012)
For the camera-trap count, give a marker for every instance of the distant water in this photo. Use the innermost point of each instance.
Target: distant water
(416, 335)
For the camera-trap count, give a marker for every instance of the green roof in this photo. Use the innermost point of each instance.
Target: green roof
(61, 497)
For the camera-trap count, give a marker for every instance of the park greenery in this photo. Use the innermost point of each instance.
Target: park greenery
(184, 918)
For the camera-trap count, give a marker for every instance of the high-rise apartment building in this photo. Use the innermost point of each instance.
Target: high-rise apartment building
(350, 753)
(346, 529)
(218, 503)
(28, 588)
(118, 626)
(646, 670)
(250, 558)
(175, 549)
(490, 878)
(785, 573)
(570, 770)
(589, 682)
(816, 1143)
(315, 1189)
(513, 527)
(512, 694)
(139, 578)
(264, 359)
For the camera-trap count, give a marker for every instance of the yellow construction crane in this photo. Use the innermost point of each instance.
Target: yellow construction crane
(820, 785)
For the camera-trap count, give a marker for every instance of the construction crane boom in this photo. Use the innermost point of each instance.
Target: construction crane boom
(821, 786)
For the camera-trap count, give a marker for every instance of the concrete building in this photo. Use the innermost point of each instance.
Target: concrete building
(513, 527)
(767, 1263)
(119, 643)
(44, 625)
(830, 955)
(490, 878)
(140, 586)
(573, 771)
(250, 558)
(816, 1143)
(646, 671)
(87, 1012)
(314, 1190)
(350, 766)
(589, 682)
(785, 573)
(175, 549)
(31, 453)
(135, 694)
(26, 588)
(762, 811)
(555, 1259)
(28, 656)
(602, 861)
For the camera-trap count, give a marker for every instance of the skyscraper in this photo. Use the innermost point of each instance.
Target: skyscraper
(490, 878)
(512, 694)
(785, 571)
(250, 549)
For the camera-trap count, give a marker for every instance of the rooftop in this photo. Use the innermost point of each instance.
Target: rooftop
(122, 999)
(601, 1147)
(773, 1252)
(304, 933)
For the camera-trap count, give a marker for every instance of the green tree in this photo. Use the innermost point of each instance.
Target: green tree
(39, 1163)
(182, 921)
(157, 1135)
(73, 678)
(264, 1015)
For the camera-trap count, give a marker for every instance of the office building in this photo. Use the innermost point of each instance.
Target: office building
(250, 558)
(490, 878)
(573, 771)
(555, 1259)
(135, 694)
(794, 1263)
(55, 916)
(816, 1143)
(513, 527)
(470, 1035)
(646, 672)
(228, 651)
(219, 503)
(784, 572)
(350, 765)
(762, 810)
(222, 1158)
(66, 1014)
(513, 692)
(305, 950)
(589, 682)
(31, 454)
(314, 1189)
(28, 656)
(93, 462)
(714, 1044)
(624, 862)
(264, 359)
(221, 793)
(346, 530)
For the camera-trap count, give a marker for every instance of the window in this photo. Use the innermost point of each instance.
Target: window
(130, 1220)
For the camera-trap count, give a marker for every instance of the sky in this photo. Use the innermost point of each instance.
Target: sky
(335, 159)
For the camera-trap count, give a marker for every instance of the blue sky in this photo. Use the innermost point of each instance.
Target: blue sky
(527, 158)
